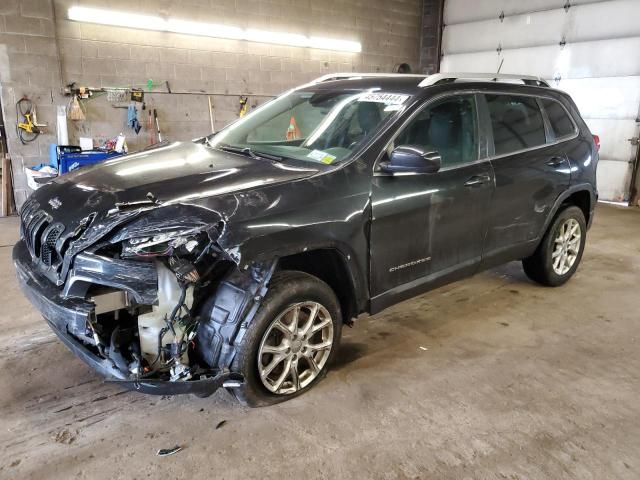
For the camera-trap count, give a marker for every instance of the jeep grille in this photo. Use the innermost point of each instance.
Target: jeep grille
(40, 235)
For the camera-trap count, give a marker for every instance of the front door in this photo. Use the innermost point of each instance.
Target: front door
(430, 226)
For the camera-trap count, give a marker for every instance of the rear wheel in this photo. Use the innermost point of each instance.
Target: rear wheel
(557, 257)
(291, 340)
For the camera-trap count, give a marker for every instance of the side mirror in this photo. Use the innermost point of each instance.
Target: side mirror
(413, 159)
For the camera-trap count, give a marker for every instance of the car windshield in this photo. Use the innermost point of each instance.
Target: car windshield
(321, 126)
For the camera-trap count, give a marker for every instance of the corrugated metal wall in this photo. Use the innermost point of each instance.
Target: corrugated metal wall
(590, 49)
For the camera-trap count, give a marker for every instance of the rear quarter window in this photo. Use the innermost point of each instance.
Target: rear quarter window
(558, 118)
(517, 123)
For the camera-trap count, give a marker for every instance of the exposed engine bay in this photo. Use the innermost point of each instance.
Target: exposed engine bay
(146, 340)
(170, 340)
(154, 339)
(153, 307)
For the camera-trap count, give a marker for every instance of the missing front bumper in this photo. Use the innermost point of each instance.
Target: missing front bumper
(201, 387)
(70, 315)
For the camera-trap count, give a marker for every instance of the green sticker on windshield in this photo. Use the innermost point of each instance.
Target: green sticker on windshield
(321, 156)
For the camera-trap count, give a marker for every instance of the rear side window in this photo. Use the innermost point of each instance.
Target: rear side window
(560, 122)
(517, 123)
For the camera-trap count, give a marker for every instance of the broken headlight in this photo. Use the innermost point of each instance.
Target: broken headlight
(161, 245)
(188, 253)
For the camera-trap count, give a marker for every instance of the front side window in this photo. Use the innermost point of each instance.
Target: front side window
(561, 124)
(315, 126)
(517, 123)
(448, 127)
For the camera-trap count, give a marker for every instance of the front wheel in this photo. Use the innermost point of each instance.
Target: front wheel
(290, 342)
(557, 257)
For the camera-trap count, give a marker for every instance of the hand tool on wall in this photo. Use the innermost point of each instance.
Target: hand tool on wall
(155, 117)
(14, 207)
(213, 129)
(7, 188)
(137, 95)
(243, 106)
(28, 128)
(150, 128)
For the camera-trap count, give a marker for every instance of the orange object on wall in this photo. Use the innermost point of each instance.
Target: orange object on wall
(293, 132)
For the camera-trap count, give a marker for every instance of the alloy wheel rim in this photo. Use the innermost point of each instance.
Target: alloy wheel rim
(295, 348)
(566, 246)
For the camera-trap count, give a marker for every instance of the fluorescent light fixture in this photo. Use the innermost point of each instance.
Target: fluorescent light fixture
(116, 19)
(333, 44)
(174, 25)
(203, 29)
(280, 38)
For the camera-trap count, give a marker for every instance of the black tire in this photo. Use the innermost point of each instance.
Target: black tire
(539, 266)
(285, 289)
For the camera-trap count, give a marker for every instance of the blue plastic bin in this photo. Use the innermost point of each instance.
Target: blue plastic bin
(69, 161)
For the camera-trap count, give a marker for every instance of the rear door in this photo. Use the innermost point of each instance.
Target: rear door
(531, 170)
(428, 226)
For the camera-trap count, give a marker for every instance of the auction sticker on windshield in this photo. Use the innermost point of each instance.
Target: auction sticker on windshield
(386, 98)
(321, 156)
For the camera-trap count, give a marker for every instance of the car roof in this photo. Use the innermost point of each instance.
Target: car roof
(407, 84)
(419, 84)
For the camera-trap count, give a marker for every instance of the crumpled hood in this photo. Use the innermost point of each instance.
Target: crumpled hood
(176, 173)
(175, 186)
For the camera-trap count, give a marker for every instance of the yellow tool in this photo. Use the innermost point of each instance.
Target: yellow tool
(29, 128)
(243, 106)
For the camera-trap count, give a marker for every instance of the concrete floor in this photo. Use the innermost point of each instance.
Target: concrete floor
(492, 377)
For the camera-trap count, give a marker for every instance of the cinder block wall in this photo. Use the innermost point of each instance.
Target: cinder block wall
(29, 66)
(44, 51)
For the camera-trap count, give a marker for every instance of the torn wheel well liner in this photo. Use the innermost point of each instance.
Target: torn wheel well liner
(225, 315)
(330, 266)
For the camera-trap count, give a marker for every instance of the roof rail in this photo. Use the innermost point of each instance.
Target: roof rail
(439, 78)
(355, 75)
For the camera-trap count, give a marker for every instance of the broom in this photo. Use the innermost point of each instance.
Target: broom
(75, 110)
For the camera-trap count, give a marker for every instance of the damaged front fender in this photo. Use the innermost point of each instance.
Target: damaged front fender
(187, 303)
(151, 295)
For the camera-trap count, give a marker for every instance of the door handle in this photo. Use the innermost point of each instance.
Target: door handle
(477, 180)
(555, 161)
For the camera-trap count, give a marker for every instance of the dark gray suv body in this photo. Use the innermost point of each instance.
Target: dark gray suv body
(235, 263)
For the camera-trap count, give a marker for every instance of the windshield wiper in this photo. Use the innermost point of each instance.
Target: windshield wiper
(249, 153)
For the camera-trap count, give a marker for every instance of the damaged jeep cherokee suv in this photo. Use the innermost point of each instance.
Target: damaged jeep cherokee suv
(234, 260)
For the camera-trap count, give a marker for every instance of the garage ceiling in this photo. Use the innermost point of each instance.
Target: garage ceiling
(587, 48)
